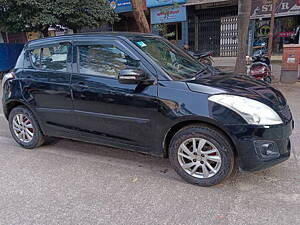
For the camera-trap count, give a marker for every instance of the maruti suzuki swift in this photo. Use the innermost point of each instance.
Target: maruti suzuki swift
(139, 92)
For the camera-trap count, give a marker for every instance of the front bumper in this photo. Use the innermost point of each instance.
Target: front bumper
(260, 147)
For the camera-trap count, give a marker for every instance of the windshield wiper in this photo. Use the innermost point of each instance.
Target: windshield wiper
(202, 72)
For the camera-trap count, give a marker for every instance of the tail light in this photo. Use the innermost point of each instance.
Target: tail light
(7, 77)
(259, 70)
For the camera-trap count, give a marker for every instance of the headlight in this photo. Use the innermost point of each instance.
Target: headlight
(254, 112)
(7, 77)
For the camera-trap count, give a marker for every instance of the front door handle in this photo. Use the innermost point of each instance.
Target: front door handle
(81, 85)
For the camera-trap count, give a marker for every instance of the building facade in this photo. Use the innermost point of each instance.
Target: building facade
(287, 20)
(127, 22)
(169, 19)
(212, 26)
(14, 38)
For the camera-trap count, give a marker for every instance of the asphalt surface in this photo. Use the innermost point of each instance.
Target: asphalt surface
(69, 182)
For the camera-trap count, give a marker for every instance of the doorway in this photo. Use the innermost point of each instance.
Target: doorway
(209, 35)
(174, 32)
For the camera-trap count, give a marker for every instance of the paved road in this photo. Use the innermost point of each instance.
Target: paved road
(72, 183)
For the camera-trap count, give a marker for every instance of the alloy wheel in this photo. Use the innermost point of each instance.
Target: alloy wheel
(23, 128)
(199, 158)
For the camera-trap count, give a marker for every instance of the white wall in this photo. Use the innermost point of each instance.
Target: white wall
(1, 38)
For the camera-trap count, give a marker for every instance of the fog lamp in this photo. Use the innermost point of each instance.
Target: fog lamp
(266, 150)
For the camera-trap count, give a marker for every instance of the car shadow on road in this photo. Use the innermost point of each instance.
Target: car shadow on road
(153, 166)
(135, 160)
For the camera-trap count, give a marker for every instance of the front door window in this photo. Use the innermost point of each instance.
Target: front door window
(103, 60)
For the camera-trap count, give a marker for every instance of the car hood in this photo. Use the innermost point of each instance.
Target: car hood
(239, 85)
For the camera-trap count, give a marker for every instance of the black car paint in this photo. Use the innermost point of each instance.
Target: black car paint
(141, 117)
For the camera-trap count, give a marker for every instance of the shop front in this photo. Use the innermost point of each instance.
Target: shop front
(169, 19)
(212, 26)
(127, 22)
(287, 20)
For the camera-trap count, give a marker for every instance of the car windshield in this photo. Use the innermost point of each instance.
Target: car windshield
(174, 61)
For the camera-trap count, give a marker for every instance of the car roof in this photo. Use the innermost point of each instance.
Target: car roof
(88, 36)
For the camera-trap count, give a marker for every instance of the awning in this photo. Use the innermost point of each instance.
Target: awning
(200, 2)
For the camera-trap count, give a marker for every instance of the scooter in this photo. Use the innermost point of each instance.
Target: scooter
(203, 57)
(260, 46)
(261, 67)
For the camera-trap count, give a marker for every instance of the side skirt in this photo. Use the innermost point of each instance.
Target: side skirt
(53, 131)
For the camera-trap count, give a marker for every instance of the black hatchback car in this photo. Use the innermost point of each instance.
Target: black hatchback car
(139, 92)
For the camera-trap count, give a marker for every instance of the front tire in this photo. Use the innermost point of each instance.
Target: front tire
(24, 128)
(201, 155)
(268, 79)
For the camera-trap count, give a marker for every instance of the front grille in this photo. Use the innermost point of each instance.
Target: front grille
(286, 113)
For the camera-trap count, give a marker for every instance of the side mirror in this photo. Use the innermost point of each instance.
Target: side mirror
(131, 76)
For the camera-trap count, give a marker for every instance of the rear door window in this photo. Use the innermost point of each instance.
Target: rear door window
(52, 57)
(36, 57)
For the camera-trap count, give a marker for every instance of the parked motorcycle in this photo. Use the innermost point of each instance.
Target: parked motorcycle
(261, 67)
(205, 57)
(260, 46)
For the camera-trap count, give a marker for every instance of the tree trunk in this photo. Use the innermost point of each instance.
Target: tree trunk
(75, 30)
(139, 16)
(7, 39)
(243, 26)
(45, 31)
(272, 23)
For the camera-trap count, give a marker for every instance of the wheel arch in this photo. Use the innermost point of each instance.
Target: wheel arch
(9, 106)
(181, 124)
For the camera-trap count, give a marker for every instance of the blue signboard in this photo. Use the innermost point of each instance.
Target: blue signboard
(168, 14)
(121, 6)
(155, 3)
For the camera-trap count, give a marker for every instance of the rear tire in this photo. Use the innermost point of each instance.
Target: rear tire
(24, 128)
(207, 158)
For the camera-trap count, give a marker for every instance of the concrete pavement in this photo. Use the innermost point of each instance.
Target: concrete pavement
(68, 182)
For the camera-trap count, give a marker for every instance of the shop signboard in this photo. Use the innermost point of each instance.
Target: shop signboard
(168, 14)
(121, 6)
(205, 2)
(263, 8)
(286, 34)
(155, 3)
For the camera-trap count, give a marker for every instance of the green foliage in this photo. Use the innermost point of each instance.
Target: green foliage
(163, 30)
(38, 15)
